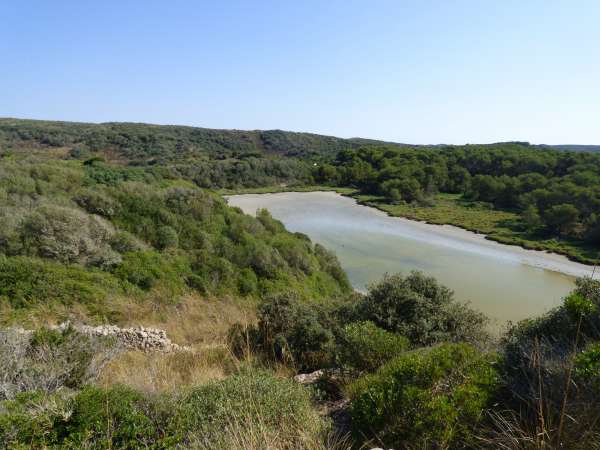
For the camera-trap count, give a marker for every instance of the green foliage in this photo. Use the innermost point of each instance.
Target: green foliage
(295, 331)
(20, 429)
(146, 269)
(578, 306)
(587, 364)
(28, 282)
(167, 237)
(67, 235)
(365, 347)
(118, 417)
(430, 397)
(420, 309)
(555, 193)
(142, 227)
(96, 418)
(559, 325)
(251, 399)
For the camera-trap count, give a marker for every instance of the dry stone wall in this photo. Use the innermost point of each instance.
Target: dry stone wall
(135, 338)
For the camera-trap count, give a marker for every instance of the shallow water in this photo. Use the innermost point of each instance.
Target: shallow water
(505, 282)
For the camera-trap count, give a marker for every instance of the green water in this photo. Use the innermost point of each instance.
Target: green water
(505, 282)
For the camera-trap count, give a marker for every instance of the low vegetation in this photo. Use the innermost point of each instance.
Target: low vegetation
(113, 223)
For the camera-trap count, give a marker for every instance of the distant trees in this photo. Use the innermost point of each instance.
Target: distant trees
(557, 193)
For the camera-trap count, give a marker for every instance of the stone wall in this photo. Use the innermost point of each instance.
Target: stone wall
(134, 338)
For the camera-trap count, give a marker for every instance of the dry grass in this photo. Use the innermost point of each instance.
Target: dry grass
(192, 321)
(248, 435)
(160, 372)
(199, 323)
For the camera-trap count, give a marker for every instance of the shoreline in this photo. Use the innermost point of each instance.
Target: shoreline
(351, 193)
(542, 259)
(489, 238)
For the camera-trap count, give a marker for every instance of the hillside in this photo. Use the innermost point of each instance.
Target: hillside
(144, 143)
(112, 224)
(92, 234)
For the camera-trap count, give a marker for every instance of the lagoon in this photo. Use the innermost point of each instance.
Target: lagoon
(505, 282)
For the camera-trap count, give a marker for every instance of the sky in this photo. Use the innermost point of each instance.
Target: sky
(420, 72)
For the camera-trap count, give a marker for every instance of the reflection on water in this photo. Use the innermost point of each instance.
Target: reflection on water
(502, 281)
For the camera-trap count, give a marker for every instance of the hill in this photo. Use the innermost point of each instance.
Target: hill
(137, 142)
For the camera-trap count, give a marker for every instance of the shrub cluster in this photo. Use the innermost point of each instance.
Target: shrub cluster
(429, 397)
(82, 233)
(205, 417)
(363, 346)
(49, 360)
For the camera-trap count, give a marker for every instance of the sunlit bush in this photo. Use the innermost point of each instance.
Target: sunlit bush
(428, 398)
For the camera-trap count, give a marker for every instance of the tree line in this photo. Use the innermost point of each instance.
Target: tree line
(555, 192)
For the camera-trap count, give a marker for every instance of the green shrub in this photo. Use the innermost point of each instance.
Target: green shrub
(429, 397)
(167, 237)
(421, 309)
(124, 242)
(251, 399)
(146, 269)
(364, 347)
(96, 202)
(247, 281)
(117, 417)
(27, 282)
(32, 420)
(93, 418)
(68, 235)
(50, 359)
(587, 364)
(296, 332)
(330, 264)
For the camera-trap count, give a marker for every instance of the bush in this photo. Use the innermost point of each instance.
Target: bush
(426, 398)
(419, 308)
(96, 203)
(167, 237)
(292, 331)
(330, 264)
(21, 428)
(587, 364)
(117, 417)
(364, 347)
(146, 269)
(249, 400)
(27, 282)
(247, 281)
(69, 236)
(124, 242)
(49, 360)
(96, 418)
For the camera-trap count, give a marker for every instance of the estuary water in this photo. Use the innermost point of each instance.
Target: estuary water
(505, 282)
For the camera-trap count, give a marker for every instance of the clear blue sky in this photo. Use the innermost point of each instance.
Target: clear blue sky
(408, 71)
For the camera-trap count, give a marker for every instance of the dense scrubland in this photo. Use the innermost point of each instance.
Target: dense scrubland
(117, 223)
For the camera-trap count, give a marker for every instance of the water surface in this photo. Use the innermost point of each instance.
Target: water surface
(505, 282)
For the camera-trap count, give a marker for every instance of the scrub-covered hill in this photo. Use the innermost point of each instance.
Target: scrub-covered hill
(82, 234)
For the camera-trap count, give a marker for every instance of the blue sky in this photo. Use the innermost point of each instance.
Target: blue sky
(408, 71)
